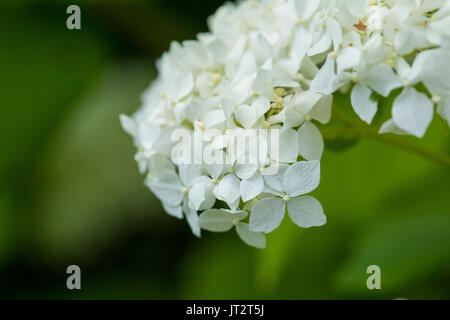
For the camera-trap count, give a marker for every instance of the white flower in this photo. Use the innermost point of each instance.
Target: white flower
(276, 65)
(224, 220)
(304, 107)
(412, 111)
(249, 115)
(325, 31)
(305, 211)
(189, 191)
(145, 135)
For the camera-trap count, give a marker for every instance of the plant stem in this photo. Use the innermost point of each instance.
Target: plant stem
(369, 131)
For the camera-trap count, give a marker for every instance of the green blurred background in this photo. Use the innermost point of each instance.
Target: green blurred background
(70, 192)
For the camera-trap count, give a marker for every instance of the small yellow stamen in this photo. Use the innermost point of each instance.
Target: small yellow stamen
(216, 77)
(436, 99)
(281, 92)
(266, 124)
(279, 100)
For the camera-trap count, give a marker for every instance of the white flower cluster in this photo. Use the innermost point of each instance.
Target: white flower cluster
(275, 64)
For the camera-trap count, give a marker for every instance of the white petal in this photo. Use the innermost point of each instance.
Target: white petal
(323, 81)
(247, 65)
(188, 172)
(180, 85)
(306, 212)
(254, 239)
(196, 195)
(192, 219)
(216, 168)
(247, 169)
(228, 106)
(348, 58)
(389, 126)
(336, 32)
(433, 69)
(305, 101)
(439, 30)
(161, 167)
(148, 134)
(322, 110)
(302, 177)
(214, 118)
(411, 38)
(403, 68)
(261, 105)
(242, 87)
(263, 83)
(210, 198)
(357, 7)
(163, 142)
(361, 103)
(288, 146)
(444, 109)
(321, 46)
(168, 191)
(276, 181)
(310, 141)
(246, 115)
(306, 8)
(252, 187)
(267, 214)
(382, 79)
(228, 189)
(292, 119)
(218, 221)
(412, 111)
(128, 125)
(234, 205)
(174, 211)
(301, 44)
(262, 49)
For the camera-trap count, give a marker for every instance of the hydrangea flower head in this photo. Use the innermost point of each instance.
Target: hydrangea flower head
(274, 65)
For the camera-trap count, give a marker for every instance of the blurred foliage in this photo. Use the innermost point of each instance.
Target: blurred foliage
(70, 192)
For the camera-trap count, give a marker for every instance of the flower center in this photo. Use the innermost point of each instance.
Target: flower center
(185, 191)
(266, 124)
(278, 100)
(281, 92)
(436, 99)
(215, 77)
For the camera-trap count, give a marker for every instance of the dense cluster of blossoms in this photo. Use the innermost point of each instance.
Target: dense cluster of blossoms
(275, 64)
